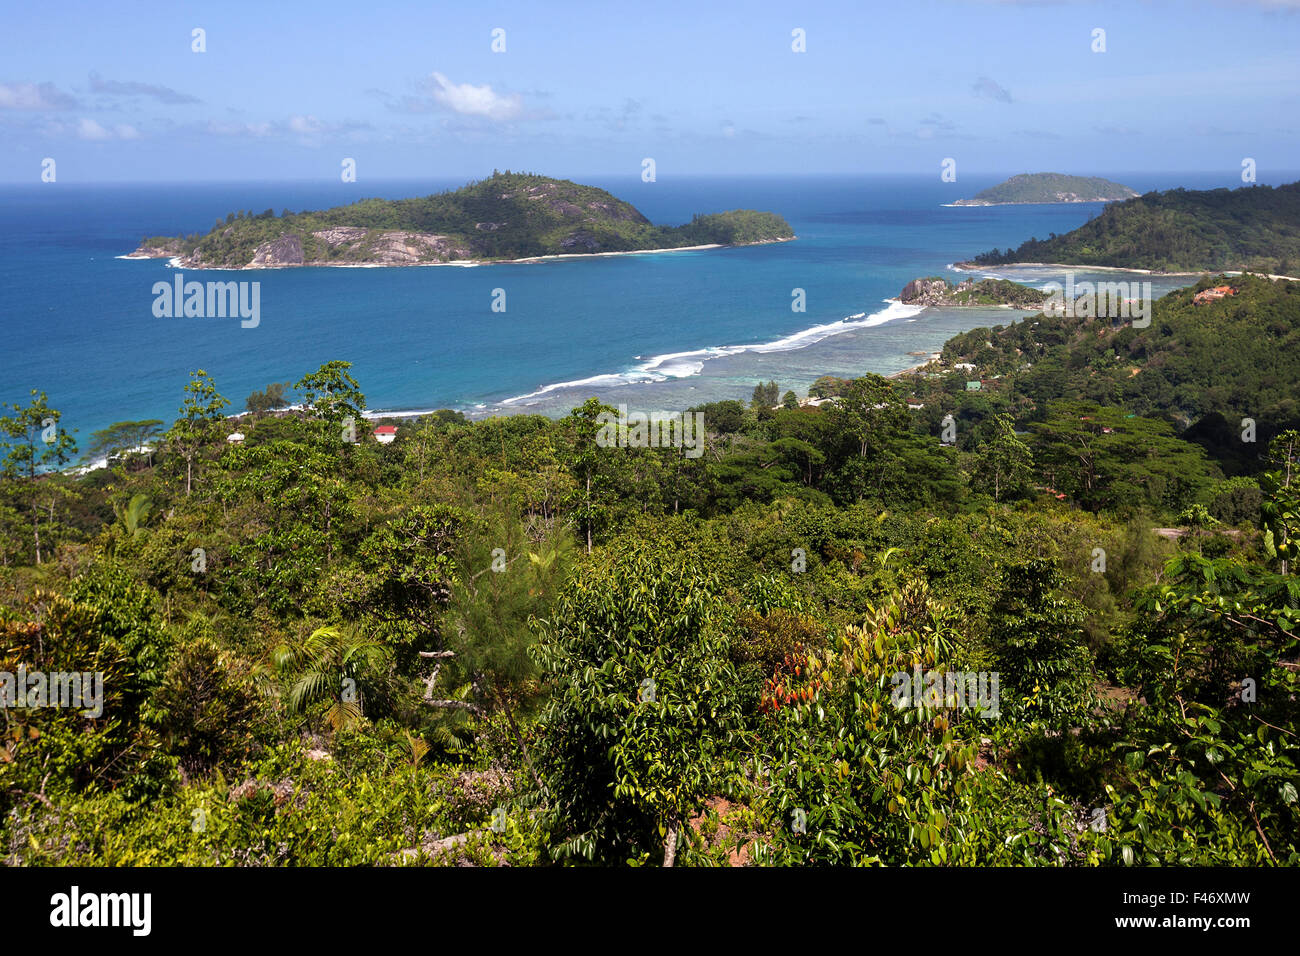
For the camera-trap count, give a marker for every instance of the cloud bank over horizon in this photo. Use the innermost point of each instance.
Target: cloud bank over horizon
(580, 90)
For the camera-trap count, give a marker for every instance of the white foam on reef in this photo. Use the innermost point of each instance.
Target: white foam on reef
(660, 368)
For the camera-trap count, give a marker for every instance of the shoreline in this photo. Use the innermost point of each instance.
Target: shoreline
(971, 267)
(462, 263)
(472, 413)
(964, 203)
(661, 367)
(966, 305)
(913, 369)
(655, 368)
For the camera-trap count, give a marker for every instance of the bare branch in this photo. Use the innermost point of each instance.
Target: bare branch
(454, 705)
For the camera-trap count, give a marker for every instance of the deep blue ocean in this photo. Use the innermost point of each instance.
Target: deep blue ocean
(661, 330)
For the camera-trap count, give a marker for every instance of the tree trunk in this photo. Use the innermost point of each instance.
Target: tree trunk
(35, 527)
(189, 471)
(670, 843)
(519, 739)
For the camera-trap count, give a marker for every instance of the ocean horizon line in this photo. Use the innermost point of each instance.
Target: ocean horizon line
(631, 175)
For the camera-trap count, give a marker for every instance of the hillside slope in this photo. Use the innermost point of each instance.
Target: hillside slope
(1208, 359)
(1254, 228)
(1049, 188)
(507, 216)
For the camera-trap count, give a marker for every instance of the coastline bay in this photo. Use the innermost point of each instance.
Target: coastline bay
(628, 328)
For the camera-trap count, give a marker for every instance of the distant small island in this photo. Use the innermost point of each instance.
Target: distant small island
(1249, 229)
(506, 217)
(934, 290)
(1034, 188)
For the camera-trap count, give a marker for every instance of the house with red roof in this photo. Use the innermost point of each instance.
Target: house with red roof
(1209, 295)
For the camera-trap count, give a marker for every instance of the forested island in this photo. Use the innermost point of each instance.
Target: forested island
(517, 642)
(935, 290)
(1252, 228)
(507, 216)
(1037, 188)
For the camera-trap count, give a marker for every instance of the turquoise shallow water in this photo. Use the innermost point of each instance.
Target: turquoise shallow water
(78, 322)
(891, 346)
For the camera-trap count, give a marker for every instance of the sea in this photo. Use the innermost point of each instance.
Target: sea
(656, 331)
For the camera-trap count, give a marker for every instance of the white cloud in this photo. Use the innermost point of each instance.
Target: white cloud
(88, 129)
(217, 128)
(91, 130)
(34, 96)
(470, 100)
(164, 94)
(305, 125)
(308, 129)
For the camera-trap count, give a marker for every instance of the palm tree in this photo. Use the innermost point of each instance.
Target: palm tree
(338, 664)
(136, 514)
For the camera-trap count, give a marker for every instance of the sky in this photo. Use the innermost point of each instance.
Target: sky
(289, 90)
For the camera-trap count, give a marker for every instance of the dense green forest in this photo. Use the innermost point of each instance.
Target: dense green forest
(506, 216)
(1253, 228)
(515, 642)
(1050, 188)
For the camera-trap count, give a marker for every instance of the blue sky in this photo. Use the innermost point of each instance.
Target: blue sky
(287, 90)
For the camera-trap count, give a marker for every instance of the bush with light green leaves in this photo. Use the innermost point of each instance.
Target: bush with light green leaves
(644, 707)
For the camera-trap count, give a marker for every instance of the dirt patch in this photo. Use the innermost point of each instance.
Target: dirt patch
(724, 812)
